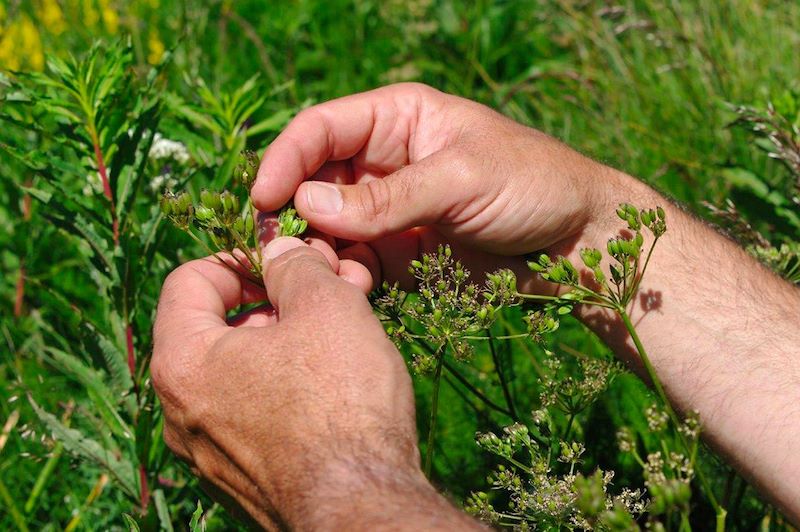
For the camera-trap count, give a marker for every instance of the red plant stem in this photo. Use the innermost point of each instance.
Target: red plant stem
(19, 298)
(131, 352)
(101, 169)
(144, 497)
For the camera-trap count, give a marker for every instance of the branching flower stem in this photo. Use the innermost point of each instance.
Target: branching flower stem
(502, 377)
(437, 380)
(468, 385)
(256, 243)
(223, 261)
(691, 450)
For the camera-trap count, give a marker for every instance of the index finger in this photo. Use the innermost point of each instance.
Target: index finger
(375, 123)
(194, 302)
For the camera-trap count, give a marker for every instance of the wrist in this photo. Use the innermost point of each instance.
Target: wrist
(367, 495)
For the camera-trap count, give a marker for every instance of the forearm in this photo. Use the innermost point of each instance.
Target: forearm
(369, 496)
(722, 334)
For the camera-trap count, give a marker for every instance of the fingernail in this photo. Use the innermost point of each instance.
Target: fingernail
(324, 198)
(281, 245)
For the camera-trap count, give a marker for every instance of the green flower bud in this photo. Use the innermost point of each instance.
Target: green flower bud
(167, 204)
(204, 214)
(238, 226)
(230, 203)
(591, 257)
(245, 171)
(184, 203)
(211, 200)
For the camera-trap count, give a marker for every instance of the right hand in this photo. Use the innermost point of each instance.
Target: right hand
(372, 165)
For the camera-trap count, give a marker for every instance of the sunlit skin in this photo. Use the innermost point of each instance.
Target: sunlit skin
(304, 417)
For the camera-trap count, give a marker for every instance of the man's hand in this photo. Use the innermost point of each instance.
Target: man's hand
(401, 168)
(374, 165)
(303, 415)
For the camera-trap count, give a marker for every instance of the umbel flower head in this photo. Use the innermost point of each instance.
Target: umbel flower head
(228, 222)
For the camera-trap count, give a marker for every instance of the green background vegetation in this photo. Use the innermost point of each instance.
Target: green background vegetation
(644, 86)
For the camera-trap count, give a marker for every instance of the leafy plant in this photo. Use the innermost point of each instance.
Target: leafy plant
(449, 312)
(231, 230)
(609, 79)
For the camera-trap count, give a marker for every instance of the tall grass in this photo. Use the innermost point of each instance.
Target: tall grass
(641, 85)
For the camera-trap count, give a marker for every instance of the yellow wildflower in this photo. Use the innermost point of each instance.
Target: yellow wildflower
(155, 46)
(110, 17)
(52, 17)
(90, 15)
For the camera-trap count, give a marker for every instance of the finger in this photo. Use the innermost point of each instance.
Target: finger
(441, 188)
(195, 299)
(261, 316)
(300, 281)
(377, 123)
(334, 172)
(356, 274)
(364, 255)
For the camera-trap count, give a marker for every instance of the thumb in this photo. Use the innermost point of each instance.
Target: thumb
(424, 193)
(300, 281)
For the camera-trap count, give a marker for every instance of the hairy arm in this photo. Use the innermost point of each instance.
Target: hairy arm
(364, 495)
(723, 334)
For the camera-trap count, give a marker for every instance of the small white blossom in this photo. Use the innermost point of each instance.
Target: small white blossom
(164, 148)
(94, 184)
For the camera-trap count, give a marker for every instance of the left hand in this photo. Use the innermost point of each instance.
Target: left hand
(284, 409)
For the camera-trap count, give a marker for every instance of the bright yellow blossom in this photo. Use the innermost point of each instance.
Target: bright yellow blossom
(155, 47)
(90, 15)
(52, 17)
(21, 45)
(110, 17)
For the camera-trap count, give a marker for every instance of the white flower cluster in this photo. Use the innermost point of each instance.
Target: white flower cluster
(162, 182)
(93, 184)
(164, 148)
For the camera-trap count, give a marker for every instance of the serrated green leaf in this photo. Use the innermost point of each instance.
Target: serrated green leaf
(41, 195)
(273, 123)
(162, 509)
(119, 468)
(197, 524)
(102, 397)
(116, 361)
(131, 523)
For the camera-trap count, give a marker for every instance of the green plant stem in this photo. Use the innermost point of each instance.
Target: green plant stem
(44, 476)
(720, 511)
(437, 379)
(256, 243)
(468, 385)
(638, 281)
(8, 501)
(502, 377)
(224, 263)
(570, 422)
(477, 393)
(507, 337)
(50, 465)
(601, 303)
(246, 250)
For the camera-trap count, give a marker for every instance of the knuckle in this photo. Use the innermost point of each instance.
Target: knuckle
(296, 261)
(377, 198)
(165, 378)
(461, 164)
(173, 441)
(420, 88)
